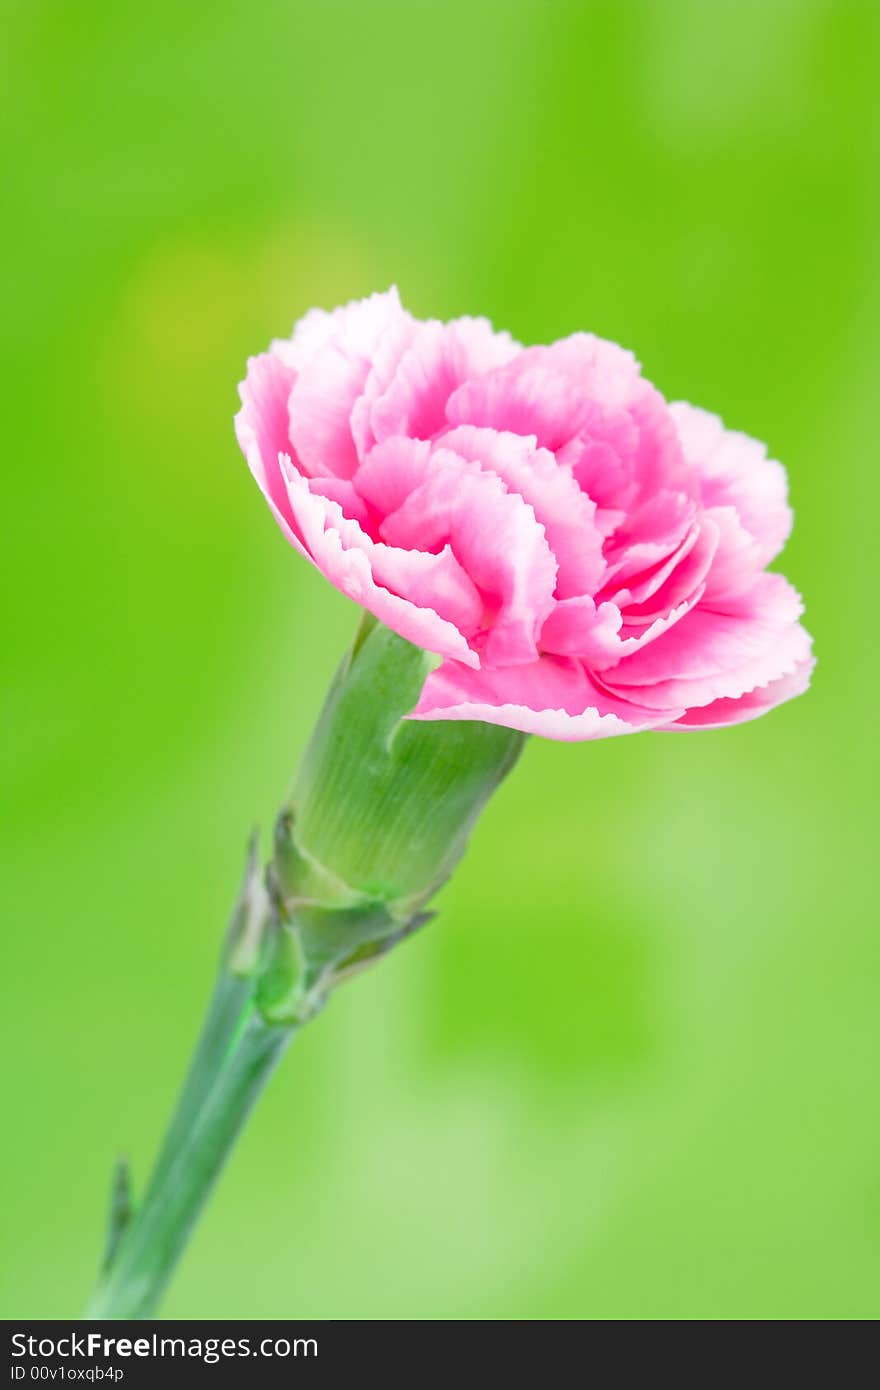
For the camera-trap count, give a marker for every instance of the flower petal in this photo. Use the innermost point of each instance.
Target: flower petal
(353, 562)
(566, 513)
(658, 533)
(735, 471)
(551, 696)
(495, 536)
(386, 360)
(261, 430)
(719, 713)
(439, 357)
(628, 446)
(359, 324)
(713, 654)
(579, 627)
(684, 583)
(737, 560)
(391, 471)
(330, 381)
(598, 636)
(430, 581)
(525, 398)
(343, 491)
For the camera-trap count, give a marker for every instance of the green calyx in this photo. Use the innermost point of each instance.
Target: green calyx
(381, 812)
(380, 815)
(386, 804)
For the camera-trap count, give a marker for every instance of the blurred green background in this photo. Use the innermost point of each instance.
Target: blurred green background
(631, 1070)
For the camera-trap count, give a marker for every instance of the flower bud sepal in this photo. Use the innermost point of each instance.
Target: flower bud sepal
(312, 946)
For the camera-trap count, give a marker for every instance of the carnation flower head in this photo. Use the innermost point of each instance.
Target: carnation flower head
(585, 558)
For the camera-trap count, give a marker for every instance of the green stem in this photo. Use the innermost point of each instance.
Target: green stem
(228, 1002)
(382, 810)
(154, 1241)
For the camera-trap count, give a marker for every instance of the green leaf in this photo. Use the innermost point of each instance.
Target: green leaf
(121, 1211)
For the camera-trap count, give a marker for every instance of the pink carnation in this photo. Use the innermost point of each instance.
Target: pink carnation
(585, 558)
